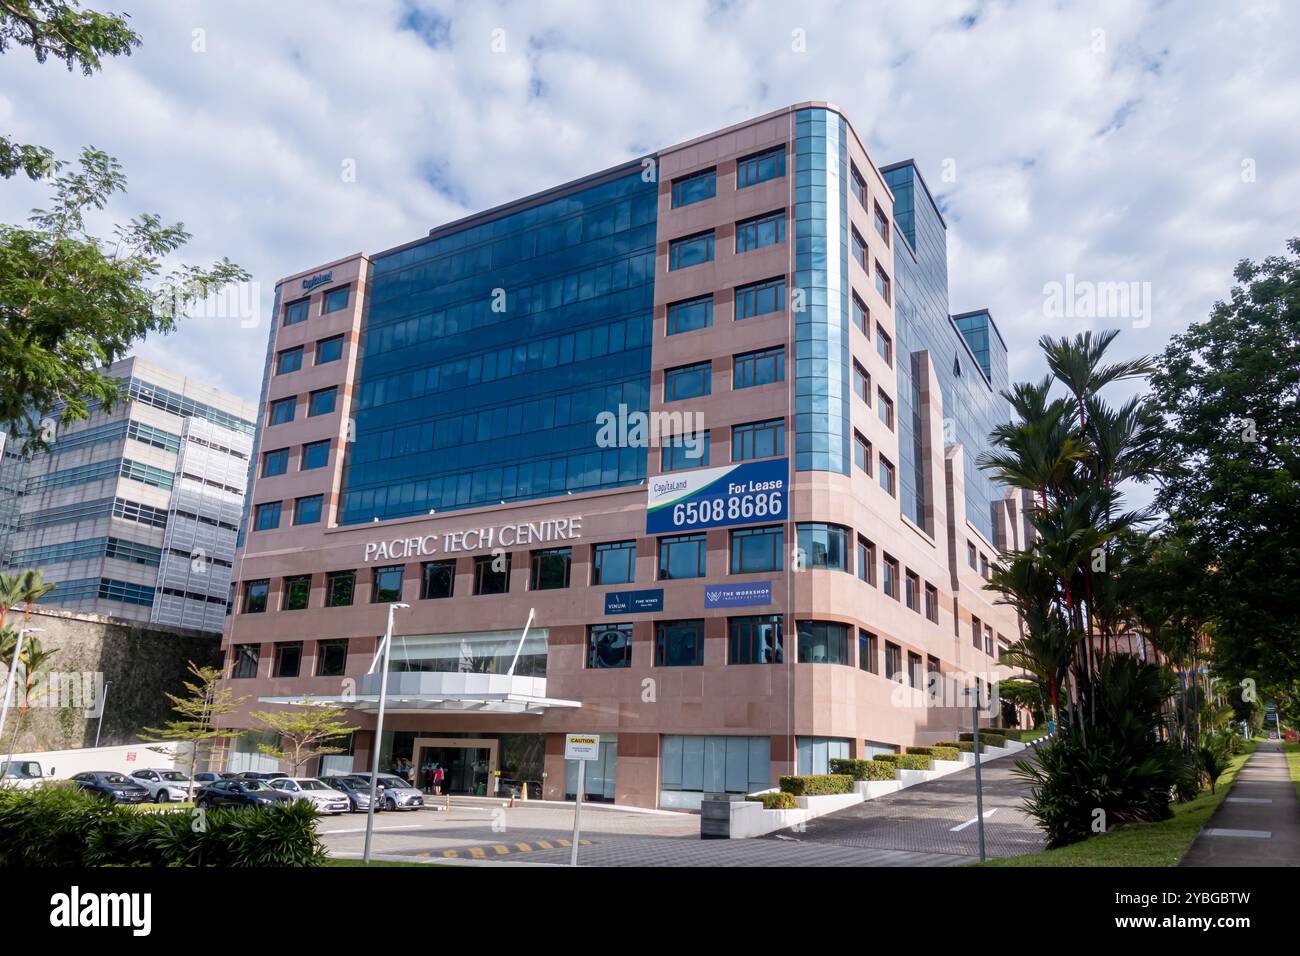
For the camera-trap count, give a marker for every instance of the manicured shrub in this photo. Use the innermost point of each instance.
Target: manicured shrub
(915, 762)
(57, 827)
(965, 746)
(881, 770)
(774, 801)
(863, 769)
(817, 784)
(937, 752)
(986, 738)
(888, 758)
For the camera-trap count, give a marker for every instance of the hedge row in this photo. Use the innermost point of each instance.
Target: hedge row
(907, 761)
(817, 784)
(988, 738)
(863, 769)
(966, 746)
(937, 752)
(62, 827)
(774, 801)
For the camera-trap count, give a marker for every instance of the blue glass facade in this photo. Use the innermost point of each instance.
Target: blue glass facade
(966, 352)
(490, 349)
(821, 347)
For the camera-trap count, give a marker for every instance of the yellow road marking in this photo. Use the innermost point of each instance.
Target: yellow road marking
(501, 849)
(544, 845)
(451, 854)
(477, 852)
(523, 848)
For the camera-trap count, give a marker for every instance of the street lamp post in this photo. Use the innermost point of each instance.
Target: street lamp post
(103, 705)
(13, 673)
(381, 660)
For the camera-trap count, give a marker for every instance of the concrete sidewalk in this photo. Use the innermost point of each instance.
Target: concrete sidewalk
(1258, 823)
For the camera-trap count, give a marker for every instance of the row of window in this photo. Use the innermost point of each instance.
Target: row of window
(332, 301)
(750, 171)
(306, 510)
(978, 560)
(859, 186)
(331, 659)
(750, 300)
(748, 369)
(320, 402)
(757, 232)
(749, 441)
(311, 455)
(325, 351)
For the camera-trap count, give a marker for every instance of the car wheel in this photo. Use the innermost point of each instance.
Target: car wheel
(160, 797)
(390, 803)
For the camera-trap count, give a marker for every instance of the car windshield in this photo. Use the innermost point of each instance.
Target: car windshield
(256, 785)
(115, 778)
(312, 785)
(22, 768)
(392, 782)
(174, 775)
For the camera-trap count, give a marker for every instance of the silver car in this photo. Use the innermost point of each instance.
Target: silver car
(396, 793)
(325, 798)
(164, 786)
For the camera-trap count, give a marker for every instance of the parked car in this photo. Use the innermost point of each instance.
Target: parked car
(258, 775)
(241, 793)
(22, 774)
(356, 790)
(322, 795)
(110, 784)
(163, 785)
(396, 794)
(205, 777)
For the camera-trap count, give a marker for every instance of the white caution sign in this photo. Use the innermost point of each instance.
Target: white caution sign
(582, 746)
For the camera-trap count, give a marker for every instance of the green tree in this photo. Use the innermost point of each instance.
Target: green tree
(197, 715)
(305, 732)
(1229, 388)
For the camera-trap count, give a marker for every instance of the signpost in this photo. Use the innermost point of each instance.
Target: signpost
(580, 747)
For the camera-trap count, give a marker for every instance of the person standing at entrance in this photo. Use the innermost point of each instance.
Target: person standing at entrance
(437, 779)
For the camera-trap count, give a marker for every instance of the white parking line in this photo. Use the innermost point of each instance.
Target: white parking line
(1252, 834)
(408, 826)
(1249, 800)
(963, 826)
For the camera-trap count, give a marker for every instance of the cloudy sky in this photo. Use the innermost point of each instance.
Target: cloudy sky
(1148, 143)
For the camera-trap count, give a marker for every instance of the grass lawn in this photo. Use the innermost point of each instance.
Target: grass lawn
(1293, 764)
(1140, 844)
(1024, 735)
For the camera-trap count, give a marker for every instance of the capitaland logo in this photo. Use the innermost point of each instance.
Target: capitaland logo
(77, 909)
(319, 278)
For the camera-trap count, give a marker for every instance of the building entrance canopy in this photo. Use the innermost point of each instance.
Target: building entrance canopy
(425, 691)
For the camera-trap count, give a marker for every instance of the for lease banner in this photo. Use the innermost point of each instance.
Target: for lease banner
(747, 493)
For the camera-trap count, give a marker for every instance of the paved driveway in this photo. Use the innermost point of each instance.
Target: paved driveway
(911, 828)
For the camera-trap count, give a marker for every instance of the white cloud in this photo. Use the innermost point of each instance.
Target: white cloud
(1118, 165)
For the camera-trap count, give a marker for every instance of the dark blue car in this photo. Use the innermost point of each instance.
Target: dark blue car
(112, 785)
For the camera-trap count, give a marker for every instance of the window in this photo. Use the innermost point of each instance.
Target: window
(322, 401)
(882, 282)
(861, 316)
(688, 381)
(760, 298)
(679, 643)
(690, 315)
(614, 563)
(690, 251)
(758, 440)
(255, 593)
(246, 658)
(760, 231)
(297, 593)
(437, 579)
(976, 632)
(275, 462)
(882, 223)
(695, 187)
(970, 555)
(757, 549)
(861, 452)
(887, 476)
(760, 167)
(984, 566)
(289, 360)
(295, 312)
(307, 510)
(550, 569)
(931, 603)
(754, 640)
(266, 516)
(858, 185)
(339, 588)
(684, 451)
(492, 574)
(682, 556)
(758, 368)
(329, 350)
(866, 561)
(912, 591)
(386, 584)
(281, 410)
(823, 642)
(893, 662)
(335, 299)
(824, 546)
(884, 346)
(914, 675)
(288, 659)
(867, 652)
(332, 657)
(988, 640)
(861, 383)
(890, 579)
(609, 645)
(315, 454)
(885, 408)
(859, 248)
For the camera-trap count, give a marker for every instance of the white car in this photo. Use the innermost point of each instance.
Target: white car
(22, 774)
(325, 797)
(164, 786)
